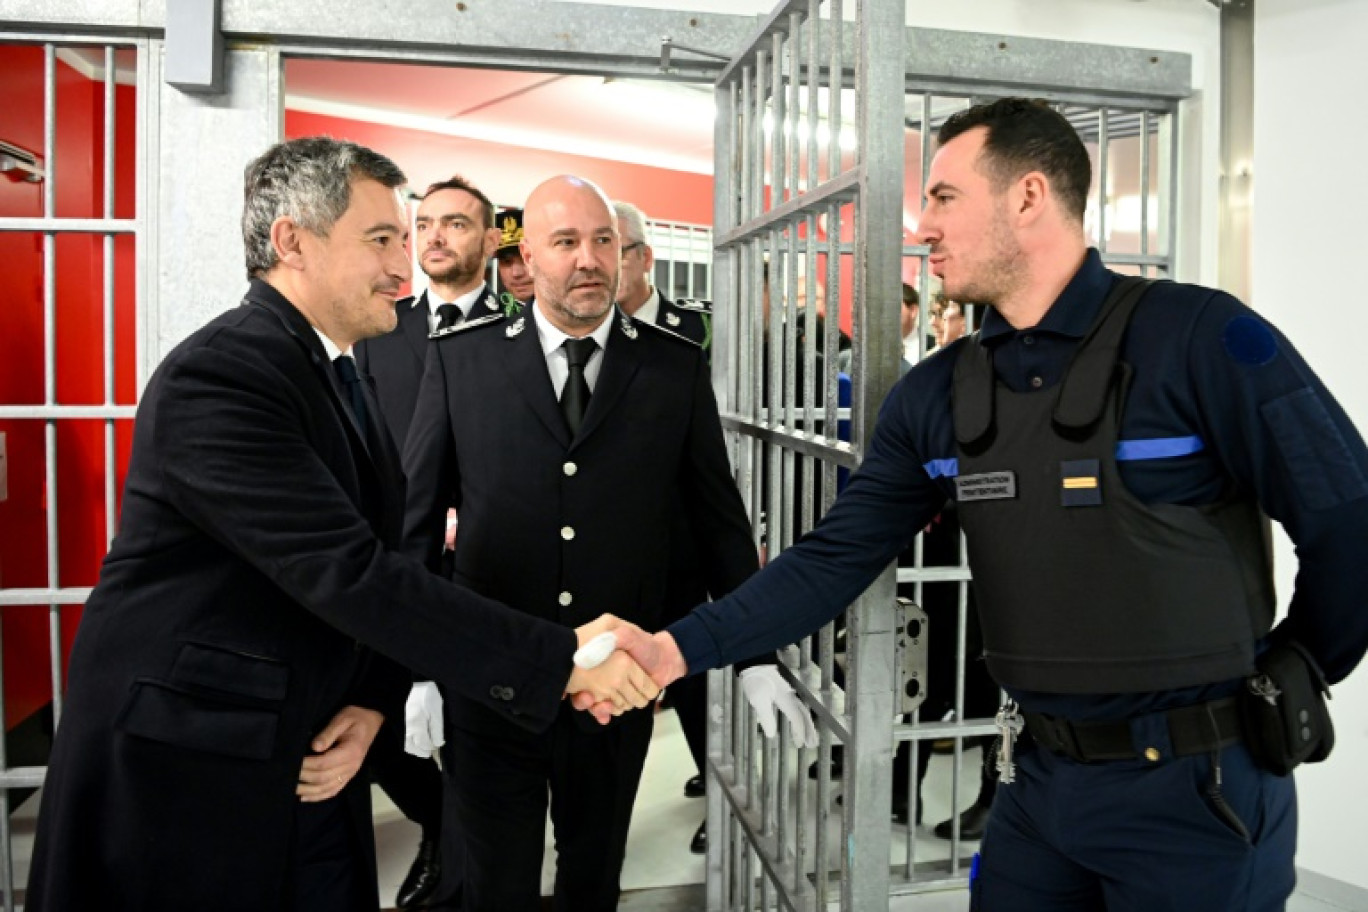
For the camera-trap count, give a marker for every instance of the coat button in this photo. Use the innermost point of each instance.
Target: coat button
(1037, 382)
(568, 533)
(496, 692)
(566, 598)
(508, 693)
(569, 468)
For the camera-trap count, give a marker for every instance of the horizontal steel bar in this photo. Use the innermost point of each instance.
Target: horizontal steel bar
(836, 452)
(847, 184)
(44, 597)
(933, 574)
(70, 225)
(66, 412)
(929, 731)
(1135, 259)
(23, 777)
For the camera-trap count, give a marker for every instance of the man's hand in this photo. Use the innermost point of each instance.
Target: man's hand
(658, 655)
(766, 690)
(611, 688)
(340, 746)
(423, 732)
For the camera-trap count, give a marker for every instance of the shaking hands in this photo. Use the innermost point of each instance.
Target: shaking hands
(611, 677)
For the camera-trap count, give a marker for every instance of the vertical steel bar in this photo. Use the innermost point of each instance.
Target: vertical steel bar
(1144, 182)
(110, 123)
(1103, 196)
(50, 368)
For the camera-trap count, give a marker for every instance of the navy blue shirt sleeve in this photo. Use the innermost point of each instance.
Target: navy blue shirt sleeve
(888, 500)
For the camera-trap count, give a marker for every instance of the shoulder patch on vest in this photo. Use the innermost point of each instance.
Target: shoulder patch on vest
(668, 332)
(1249, 341)
(468, 324)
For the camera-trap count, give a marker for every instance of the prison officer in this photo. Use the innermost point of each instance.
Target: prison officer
(1109, 457)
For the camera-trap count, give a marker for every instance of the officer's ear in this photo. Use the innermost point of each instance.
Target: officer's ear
(1030, 194)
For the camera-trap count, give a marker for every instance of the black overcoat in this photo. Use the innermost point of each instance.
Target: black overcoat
(251, 592)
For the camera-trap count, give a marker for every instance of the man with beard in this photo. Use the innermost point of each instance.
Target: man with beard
(590, 434)
(1112, 445)
(515, 282)
(455, 237)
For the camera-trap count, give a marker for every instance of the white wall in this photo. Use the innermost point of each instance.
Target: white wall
(1310, 202)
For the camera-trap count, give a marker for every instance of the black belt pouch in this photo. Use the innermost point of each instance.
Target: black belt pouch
(1286, 721)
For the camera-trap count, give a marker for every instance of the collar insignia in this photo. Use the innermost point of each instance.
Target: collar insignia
(516, 327)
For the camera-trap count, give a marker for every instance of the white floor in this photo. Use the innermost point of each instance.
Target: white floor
(664, 821)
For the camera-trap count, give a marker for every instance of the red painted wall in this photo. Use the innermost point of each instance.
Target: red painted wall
(79, 336)
(508, 173)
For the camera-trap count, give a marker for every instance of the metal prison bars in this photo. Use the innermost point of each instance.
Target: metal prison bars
(801, 194)
(52, 413)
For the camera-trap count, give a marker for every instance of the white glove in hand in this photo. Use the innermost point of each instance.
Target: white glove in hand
(423, 720)
(766, 690)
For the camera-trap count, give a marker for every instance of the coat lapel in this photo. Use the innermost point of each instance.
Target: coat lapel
(528, 374)
(414, 320)
(621, 360)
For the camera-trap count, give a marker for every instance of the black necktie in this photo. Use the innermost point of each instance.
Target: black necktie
(448, 315)
(575, 397)
(351, 385)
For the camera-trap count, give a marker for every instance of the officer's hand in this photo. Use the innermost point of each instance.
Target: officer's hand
(767, 691)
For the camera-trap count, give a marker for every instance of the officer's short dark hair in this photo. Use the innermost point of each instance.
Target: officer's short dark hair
(456, 182)
(910, 298)
(1024, 135)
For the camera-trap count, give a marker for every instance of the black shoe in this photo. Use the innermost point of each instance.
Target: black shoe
(699, 844)
(695, 788)
(973, 821)
(423, 877)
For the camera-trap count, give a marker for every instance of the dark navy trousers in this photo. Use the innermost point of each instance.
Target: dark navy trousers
(1139, 836)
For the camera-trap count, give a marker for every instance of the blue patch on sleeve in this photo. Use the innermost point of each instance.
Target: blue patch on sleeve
(1249, 341)
(1157, 448)
(942, 468)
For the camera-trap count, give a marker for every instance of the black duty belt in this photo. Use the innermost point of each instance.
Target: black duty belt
(1197, 729)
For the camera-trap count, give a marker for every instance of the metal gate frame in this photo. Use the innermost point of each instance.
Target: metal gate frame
(769, 197)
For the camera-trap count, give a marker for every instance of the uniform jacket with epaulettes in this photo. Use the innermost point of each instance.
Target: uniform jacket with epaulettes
(569, 528)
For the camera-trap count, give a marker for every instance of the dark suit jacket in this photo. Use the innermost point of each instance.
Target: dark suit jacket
(252, 563)
(395, 360)
(568, 529)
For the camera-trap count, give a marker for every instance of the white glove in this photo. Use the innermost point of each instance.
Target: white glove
(595, 652)
(766, 690)
(423, 720)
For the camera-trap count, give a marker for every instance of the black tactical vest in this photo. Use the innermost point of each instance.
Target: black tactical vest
(1082, 588)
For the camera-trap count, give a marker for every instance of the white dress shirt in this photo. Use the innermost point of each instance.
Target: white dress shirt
(649, 312)
(465, 302)
(553, 340)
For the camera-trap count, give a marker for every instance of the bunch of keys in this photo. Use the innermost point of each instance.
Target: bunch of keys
(1009, 725)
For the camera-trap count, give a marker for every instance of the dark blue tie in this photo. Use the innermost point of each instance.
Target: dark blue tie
(351, 385)
(575, 396)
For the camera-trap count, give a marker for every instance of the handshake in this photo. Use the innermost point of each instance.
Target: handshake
(619, 667)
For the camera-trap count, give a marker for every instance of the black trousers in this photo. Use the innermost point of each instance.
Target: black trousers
(331, 874)
(414, 784)
(689, 696)
(500, 783)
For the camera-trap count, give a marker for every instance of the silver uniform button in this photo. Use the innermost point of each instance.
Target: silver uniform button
(566, 598)
(567, 532)
(569, 468)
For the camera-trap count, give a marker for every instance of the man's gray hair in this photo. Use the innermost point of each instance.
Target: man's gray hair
(308, 180)
(635, 220)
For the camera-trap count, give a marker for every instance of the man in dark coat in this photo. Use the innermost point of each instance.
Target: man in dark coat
(565, 506)
(223, 688)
